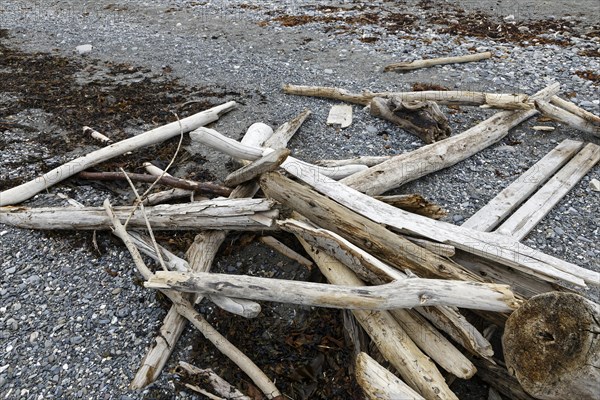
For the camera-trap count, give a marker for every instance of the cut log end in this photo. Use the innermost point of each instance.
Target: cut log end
(551, 345)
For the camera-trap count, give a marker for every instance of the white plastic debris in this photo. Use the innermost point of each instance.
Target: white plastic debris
(340, 114)
(84, 48)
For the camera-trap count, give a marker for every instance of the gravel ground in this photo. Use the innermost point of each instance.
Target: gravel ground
(74, 323)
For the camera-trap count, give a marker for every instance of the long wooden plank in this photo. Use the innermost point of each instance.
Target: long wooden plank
(531, 213)
(490, 215)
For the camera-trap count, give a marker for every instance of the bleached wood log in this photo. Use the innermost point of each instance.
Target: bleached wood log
(380, 384)
(415, 203)
(450, 97)
(200, 255)
(362, 232)
(242, 307)
(285, 132)
(434, 344)
(565, 117)
(440, 249)
(453, 323)
(551, 345)
(203, 187)
(505, 202)
(166, 195)
(235, 149)
(490, 246)
(157, 135)
(94, 134)
(238, 214)
(421, 118)
(267, 163)
(369, 161)
(407, 167)
(407, 66)
(219, 385)
(286, 251)
(573, 109)
(522, 221)
(394, 344)
(414, 291)
(186, 309)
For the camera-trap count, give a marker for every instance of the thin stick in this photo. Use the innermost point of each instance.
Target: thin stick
(204, 187)
(184, 308)
(407, 66)
(286, 251)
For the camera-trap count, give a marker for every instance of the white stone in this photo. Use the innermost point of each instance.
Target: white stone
(84, 48)
(595, 185)
(340, 114)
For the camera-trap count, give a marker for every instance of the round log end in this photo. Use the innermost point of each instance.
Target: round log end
(552, 346)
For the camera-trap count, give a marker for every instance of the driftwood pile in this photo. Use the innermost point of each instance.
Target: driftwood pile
(406, 276)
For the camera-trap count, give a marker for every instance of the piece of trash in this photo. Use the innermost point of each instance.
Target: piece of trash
(84, 48)
(543, 128)
(340, 114)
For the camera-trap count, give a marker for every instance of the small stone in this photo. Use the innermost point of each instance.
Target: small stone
(595, 185)
(328, 71)
(505, 148)
(55, 378)
(76, 339)
(84, 49)
(33, 279)
(523, 29)
(457, 218)
(372, 129)
(11, 270)
(116, 290)
(34, 336)
(559, 231)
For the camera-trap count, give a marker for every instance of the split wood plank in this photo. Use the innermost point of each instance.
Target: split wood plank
(414, 291)
(494, 212)
(408, 66)
(270, 162)
(415, 203)
(407, 167)
(567, 118)
(154, 136)
(522, 221)
(236, 214)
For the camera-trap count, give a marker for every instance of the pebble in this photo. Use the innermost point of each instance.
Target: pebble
(76, 340)
(328, 71)
(10, 271)
(457, 218)
(83, 49)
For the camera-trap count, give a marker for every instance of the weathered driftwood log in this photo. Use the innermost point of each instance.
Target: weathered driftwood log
(241, 307)
(369, 161)
(490, 246)
(407, 66)
(27, 190)
(551, 344)
(407, 167)
(415, 203)
(283, 134)
(450, 97)
(391, 340)
(567, 118)
(168, 180)
(573, 109)
(186, 309)
(421, 118)
(363, 232)
(165, 196)
(267, 163)
(380, 384)
(201, 255)
(189, 373)
(235, 149)
(406, 293)
(238, 214)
